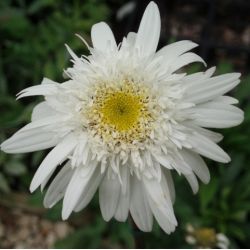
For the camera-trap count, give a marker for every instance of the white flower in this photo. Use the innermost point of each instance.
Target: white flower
(205, 237)
(124, 121)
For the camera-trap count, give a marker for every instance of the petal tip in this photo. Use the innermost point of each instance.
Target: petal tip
(33, 187)
(65, 216)
(66, 211)
(102, 37)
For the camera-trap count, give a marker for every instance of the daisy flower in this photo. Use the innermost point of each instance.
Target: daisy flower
(124, 122)
(205, 237)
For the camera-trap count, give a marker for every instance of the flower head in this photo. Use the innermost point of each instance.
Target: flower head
(124, 121)
(206, 237)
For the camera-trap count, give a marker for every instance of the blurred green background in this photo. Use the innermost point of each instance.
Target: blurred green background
(33, 34)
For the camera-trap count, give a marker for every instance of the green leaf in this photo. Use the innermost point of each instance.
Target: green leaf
(242, 91)
(14, 22)
(234, 169)
(122, 234)
(39, 5)
(224, 67)
(15, 168)
(36, 199)
(54, 214)
(237, 231)
(207, 192)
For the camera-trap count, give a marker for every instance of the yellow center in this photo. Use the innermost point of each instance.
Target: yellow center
(121, 110)
(206, 237)
(120, 114)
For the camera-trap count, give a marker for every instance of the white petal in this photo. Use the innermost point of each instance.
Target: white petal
(58, 186)
(205, 90)
(161, 217)
(222, 238)
(109, 193)
(160, 203)
(90, 190)
(197, 164)
(41, 111)
(42, 89)
(71, 52)
(76, 187)
(149, 30)
(55, 157)
(194, 78)
(213, 136)
(123, 205)
(170, 183)
(163, 160)
(192, 180)
(184, 60)
(41, 123)
(48, 81)
(24, 141)
(173, 50)
(226, 100)
(139, 207)
(122, 210)
(45, 182)
(102, 37)
(217, 115)
(131, 38)
(125, 178)
(180, 165)
(160, 195)
(207, 148)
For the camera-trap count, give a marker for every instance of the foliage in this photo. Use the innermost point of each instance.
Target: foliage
(34, 34)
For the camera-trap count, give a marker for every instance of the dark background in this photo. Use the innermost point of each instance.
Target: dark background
(32, 37)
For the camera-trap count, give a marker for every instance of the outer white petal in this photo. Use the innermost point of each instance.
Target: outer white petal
(197, 164)
(206, 90)
(149, 30)
(161, 217)
(41, 111)
(213, 136)
(30, 140)
(192, 180)
(226, 100)
(76, 59)
(217, 115)
(123, 205)
(170, 183)
(139, 207)
(90, 190)
(77, 185)
(102, 37)
(42, 123)
(174, 50)
(160, 203)
(122, 210)
(207, 148)
(58, 186)
(160, 195)
(47, 87)
(192, 79)
(45, 182)
(55, 157)
(184, 60)
(131, 38)
(109, 193)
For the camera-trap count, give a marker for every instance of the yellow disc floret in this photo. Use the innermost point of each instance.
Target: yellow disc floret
(122, 110)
